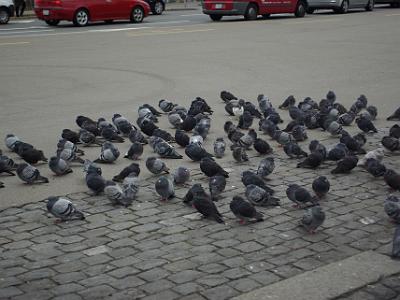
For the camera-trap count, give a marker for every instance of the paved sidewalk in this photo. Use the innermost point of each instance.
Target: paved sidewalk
(155, 250)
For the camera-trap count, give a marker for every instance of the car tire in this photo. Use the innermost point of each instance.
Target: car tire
(158, 8)
(52, 22)
(216, 17)
(4, 16)
(300, 10)
(108, 21)
(344, 8)
(310, 10)
(370, 5)
(266, 16)
(251, 12)
(137, 14)
(81, 17)
(395, 4)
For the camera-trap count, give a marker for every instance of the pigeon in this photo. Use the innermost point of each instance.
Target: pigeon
(267, 127)
(392, 208)
(259, 197)
(21, 147)
(396, 244)
(202, 202)
(282, 137)
(299, 133)
(130, 188)
(10, 141)
(313, 218)
(266, 167)
(227, 96)
(153, 140)
(133, 168)
(30, 174)
(247, 140)
(313, 160)
(245, 120)
(103, 123)
(334, 128)
(145, 113)
(1, 185)
(210, 168)
(219, 147)
(239, 154)
(394, 116)
(229, 126)
(316, 146)
(351, 143)
(321, 186)
(181, 175)
(69, 156)
(165, 105)
(65, 144)
(71, 136)
(394, 131)
(290, 193)
(345, 165)
(375, 167)
(7, 165)
(264, 103)
(331, 96)
(391, 143)
(248, 177)
(235, 107)
(288, 102)
(59, 166)
(181, 138)
(202, 128)
(156, 165)
(338, 152)
(135, 151)
(165, 150)
(372, 111)
(113, 192)
(234, 135)
(252, 109)
(87, 124)
(165, 188)
(360, 138)
(109, 153)
(94, 181)
(63, 209)
(166, 136)
(195, 188)
(216, 186)
(199, 105)
(262, 146)
(122, 124)
(296, 113)
(87, 138)
(175, 120)
(302, 196)
(244, 211)
(188, 123)
(148, 127)
(347, 118)
(152, 109)
(136, 136)
(312, 119)
(392, 179)
(196, 152)
(376, 154)
(196, 139)
(365, 125)
(292, 149)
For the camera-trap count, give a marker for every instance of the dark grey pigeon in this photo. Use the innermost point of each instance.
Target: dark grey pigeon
(299, 133)
(267, 127)
(288, 102)
(266, 167)
(166, 136)
(69, 155)
(392, 179)
(133, 168)
(391, 143)
(293, 150)
(302, 196)
(156, 165)
(239, 154)
(195, 188)
(1, 185)
(394, 131)
(290, 193)
(395, 115)
(63, 209)
(59, 166)
(110, 134)
(264, 103)
(247, 140)
(345, 165)
(338, 152)
(244, 211)
(219, 147)
(109, 153)
(392, 208)
(66, 144)
(87, 138)
(71, 136)
(365, 125)
(7, 165)
(136, 136)
(373, 112)
(181, 175)
(351, 143)
(94, 181)
(165, 188)
(258, 196)
(202, 202)
(188, 123)
(321, 186)
(313, 160)
(181, 138)
(396, 243)
(196, 152)
(123, 125)
(262, 146)
(33, 156)
(216, 186)
(227, 96)
(347, 118)
(248, 177)
(165, 150)
(313, 218)
(375, 167)
(331, 96)
(316, 146)
(211, 168)
(282, 137)
(135, 151)
(175, 119)
(245, 120)
(30, 174)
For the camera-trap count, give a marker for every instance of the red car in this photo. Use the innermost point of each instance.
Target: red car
(81, 12)
(250, 9)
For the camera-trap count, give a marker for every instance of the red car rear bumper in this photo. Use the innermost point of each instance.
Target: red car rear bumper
(53, 14)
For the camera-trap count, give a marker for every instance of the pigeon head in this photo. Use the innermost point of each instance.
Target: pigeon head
(253, 133)
(50, 202)
(242, 102)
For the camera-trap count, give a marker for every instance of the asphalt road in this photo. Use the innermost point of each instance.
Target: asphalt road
(50, 75)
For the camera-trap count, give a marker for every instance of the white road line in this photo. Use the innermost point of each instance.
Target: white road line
(16, 43)
(113, 29)
(192, 15)
(21, 21)
(23, 28)
(23, 32)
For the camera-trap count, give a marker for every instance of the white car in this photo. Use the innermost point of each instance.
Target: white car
(6, 11)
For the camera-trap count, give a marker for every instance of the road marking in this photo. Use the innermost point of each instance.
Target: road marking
(161, 32)
(314, 21)
(391, 15)
(192, 15)
(23, 32)
(22, 21)
(23, 28)
(114, 29)
(14, 43)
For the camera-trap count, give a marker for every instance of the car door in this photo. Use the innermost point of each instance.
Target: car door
(97, 9)
(120, 9)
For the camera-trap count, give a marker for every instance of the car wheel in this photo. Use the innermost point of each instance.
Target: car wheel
(81, 17)
(108, 21)
(158, 8)
(370, 5)
(251, 12)
(52, 22)
(310, 10)
(266, 16)
(300, 10)
(4, 16)
(216, 17)
(344, 8)
(137, 14)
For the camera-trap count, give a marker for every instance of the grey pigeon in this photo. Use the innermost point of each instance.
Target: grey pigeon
(376, 154)
(244, 211)
(331, 96)
(130, 188)
(181, 175)
(266, 167)
(156, 165)
(87, 138)
(165, 150)
(345, 165)
(347, 118)
(338, 152)
(365, 125)
(292, 149)
(313, 218)
(196, 139)
(392, 179)
(194, 189)
(30, 174)
(282, 137)
(258, 196)
(302, 196)
(136, 136)
(110, 134)
(165, 105)
(71, 136)
(135, 151)
(69, 156)
(196, 152)
(262, 146)
(10, 141)
(234, 135)
(133, 168)
(63, 209)
(211, 168)
(245, 120)
(153, 140)
(113, 192)
(247, 140)
(216, 186)
(394, 131)
(299, 133)
(360, 138)
(7, 165)
(391, 143)
(373, 112)
(351, 143)
(181, 138)
(163, 134)
(290, 193)
(123, 125)
(321, 186)
(316, 146)
(334, 128)
(264, 103)
(59, 166)
(94, 181)
(249, 177)
(202, 128)
(239, 154)
(392, 208)
(375, 167)
(66, 144)
(288, 102)
(109, 153)
(175, 119)
(165, 188)
(219, 147)
(395, 115)
(103, 123)
(267, 127)
(396, 243)
(313, 160)
(202, 202)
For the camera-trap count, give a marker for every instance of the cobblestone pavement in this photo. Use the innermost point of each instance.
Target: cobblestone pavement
(155, 250)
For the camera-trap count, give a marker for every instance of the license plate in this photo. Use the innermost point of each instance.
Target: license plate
(218, 6)
(46, 12)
